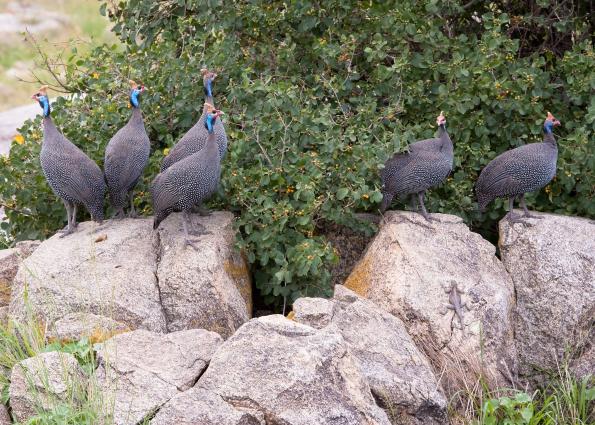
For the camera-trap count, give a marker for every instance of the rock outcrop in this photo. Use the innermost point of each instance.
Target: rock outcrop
(399, 375)
(123, 275)
(139, 371)
(277, 371)
(408, 269)
(552, 264)
(42, 382)
(10, 260)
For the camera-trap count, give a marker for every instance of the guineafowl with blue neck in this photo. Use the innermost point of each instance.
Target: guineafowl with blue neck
(190, 181)
(195, 139)
(426, 165)
(127, 155)
(518, 171)
(71, 174)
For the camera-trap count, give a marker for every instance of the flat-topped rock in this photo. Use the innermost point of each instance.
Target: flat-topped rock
(408, 269)
(107, 270)
(552, 264)
(124, 275)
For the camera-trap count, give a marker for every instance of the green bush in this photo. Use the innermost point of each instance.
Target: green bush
(317, 96)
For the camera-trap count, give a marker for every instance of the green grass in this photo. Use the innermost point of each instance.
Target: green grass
(85, 404)
(86, 29)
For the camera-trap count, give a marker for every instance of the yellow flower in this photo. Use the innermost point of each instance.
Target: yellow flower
(365, 196)
(96, 75)
(19, 139)
(165, 151)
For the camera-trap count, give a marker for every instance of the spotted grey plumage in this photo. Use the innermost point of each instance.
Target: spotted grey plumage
(518, 171)
(127, 155)
(71, 174)
(195, 139)
(426, 165)
(190, 181)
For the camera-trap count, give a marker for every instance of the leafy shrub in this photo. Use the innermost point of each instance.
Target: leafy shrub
(317, 96)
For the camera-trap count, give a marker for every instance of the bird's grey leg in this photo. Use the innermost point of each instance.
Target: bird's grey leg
(67, 218)
(413, 202)
(132, 212)
(420, 197)
(386, 200)
(186, 223)
(525, 209)
(70, 229)
(512, 218)
(73, 220)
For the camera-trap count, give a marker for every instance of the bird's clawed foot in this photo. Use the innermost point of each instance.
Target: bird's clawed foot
(513, 218)
(67, 232)
(132, 214)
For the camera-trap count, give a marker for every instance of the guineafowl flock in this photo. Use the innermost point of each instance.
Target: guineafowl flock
(190, 173)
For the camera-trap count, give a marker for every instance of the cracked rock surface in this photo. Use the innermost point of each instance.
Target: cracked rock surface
(43, 382)
(137, 278)
(139, 371)
(289, 373)
(399, 375)
(552, 263)
(199, 406)
(407, 270)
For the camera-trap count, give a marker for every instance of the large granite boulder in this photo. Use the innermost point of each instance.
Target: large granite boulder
(207, 288)
(289, 373)
(552, 264)
(106, 270)
(410, 269)
(139, 371)
(399, 375)
(43, 382)
(123, 275)
(10, 259)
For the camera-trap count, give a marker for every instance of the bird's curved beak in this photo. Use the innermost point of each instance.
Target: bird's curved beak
(34, 97)
(557, 123)
(143, 89)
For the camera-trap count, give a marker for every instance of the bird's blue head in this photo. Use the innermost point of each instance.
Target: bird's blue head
(42, 98)
(549, 123)
(211, 117)
(207, 80)
(135, 91)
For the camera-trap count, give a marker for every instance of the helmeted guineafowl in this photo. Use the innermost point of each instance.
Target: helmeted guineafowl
(427, 164)
(195, 139)
(127, 155)
(189, 181)
(71, 174)
(518, 171)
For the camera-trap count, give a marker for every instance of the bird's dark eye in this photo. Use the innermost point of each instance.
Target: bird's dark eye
(37, 94)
